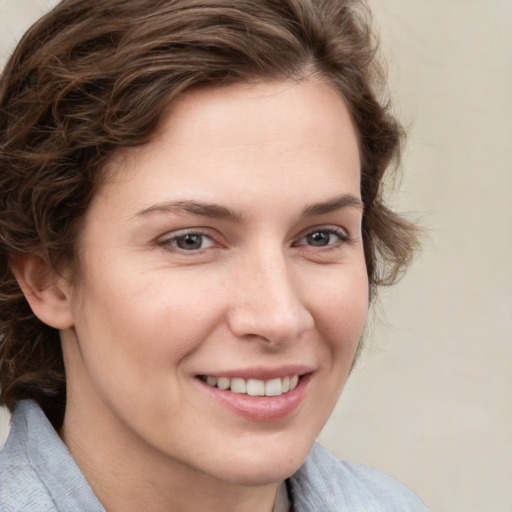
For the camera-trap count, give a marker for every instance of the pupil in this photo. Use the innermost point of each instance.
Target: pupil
(318, 238)
(189, 242)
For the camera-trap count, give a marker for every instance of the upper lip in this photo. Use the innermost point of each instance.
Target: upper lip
(261, 373)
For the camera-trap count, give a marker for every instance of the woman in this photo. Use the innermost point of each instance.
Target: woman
(192, 229)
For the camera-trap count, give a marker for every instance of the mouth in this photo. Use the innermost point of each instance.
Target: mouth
(271, 397)
(253, 387)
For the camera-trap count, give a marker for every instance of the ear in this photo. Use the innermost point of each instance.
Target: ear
(47, 293)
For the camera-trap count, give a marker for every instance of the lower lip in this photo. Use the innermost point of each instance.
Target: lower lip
(261, 408)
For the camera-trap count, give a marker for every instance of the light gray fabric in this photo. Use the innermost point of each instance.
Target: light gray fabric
(326, 484)
(38, 474)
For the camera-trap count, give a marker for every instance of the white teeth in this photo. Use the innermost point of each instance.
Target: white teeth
(223, 383)
(212, 381)
(254, 387)
(273, 387)
(238, 386)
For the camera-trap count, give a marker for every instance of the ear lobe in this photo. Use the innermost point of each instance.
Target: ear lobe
(47, 293)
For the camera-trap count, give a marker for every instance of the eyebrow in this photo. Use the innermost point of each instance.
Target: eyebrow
(343, 201)
(221, 212)
(197, 208)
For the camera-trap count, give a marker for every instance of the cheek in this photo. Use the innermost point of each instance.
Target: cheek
(343, 299)
(141, 322)
(341, 309)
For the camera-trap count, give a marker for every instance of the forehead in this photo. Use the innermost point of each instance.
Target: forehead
(277, 135)
(253, 114)
(258, 112)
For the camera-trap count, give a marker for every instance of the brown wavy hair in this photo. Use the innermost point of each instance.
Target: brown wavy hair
(94, 76)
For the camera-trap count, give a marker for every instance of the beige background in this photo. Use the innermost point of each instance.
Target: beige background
(431, 400)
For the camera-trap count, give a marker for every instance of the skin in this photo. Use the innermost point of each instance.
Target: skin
(147, 317)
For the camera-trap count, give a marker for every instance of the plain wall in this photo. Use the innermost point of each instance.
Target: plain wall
(430, 401)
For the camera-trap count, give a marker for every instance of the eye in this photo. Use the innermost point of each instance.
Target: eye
(324, 237)
(192, 241)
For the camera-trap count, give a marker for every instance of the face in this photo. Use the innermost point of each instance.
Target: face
(221, 262)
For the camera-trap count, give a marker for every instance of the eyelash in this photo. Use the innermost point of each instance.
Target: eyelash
(340, 233)
(172, 243)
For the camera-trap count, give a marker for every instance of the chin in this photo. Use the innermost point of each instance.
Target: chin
(260, 475)
(268, 464)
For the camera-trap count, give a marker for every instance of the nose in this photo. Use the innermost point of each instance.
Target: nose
(267, 303)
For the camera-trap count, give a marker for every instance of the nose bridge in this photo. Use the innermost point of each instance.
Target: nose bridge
(269, 305)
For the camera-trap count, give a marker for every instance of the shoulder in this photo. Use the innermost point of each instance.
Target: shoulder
(324, 483)
(37, 472)
(21, 488)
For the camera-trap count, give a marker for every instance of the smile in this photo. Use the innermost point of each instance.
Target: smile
(254, 387)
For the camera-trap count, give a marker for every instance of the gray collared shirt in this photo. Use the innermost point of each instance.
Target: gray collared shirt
(38, 474)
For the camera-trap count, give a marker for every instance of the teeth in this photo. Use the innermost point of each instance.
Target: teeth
(212, 381)
(223, 383)
(273, 387)
(238, 386)
(254, 387)
(285, 385)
